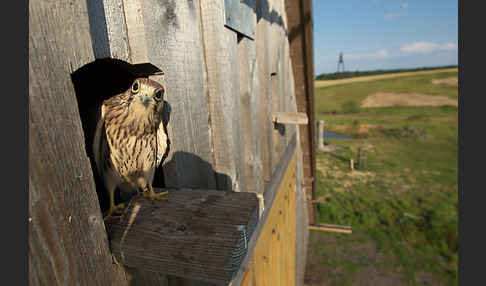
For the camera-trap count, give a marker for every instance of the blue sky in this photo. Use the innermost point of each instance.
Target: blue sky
(384, 34)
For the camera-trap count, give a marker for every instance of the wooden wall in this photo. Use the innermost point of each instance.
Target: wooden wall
(68, 244)
(222, 89)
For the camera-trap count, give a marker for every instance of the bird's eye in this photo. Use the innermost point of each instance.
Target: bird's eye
(135, 87)
(159, 94)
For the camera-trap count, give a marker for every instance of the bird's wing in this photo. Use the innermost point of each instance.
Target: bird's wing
(100, 144)
(163, 143)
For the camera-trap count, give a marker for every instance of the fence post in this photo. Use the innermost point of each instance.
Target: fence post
(320, 124)
(361, 158)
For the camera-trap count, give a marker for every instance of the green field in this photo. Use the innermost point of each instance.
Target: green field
(402, 204)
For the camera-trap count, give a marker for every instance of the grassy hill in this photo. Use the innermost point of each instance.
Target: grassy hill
(403, 204)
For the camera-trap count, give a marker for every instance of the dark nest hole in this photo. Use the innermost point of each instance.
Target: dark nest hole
(94, 83)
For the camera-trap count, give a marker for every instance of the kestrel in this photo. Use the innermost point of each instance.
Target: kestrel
(130, 140)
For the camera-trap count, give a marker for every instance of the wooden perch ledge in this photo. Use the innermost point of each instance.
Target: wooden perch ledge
(197, 234)
(290, 118)
(331, 228)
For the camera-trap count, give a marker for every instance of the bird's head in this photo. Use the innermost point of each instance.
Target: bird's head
(146, 95)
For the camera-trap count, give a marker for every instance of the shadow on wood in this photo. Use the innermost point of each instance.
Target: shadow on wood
(279, 127)
(197, 234)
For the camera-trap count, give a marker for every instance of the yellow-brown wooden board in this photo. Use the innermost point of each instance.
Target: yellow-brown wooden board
(273, 261)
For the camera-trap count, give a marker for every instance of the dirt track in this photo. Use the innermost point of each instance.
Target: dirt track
(323, 83)
(382, 99)
(451, 81)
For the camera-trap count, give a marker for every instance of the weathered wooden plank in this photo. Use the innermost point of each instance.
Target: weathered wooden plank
(301, 219)
(67, 241)
(108, 29)
(331, 228)
(109, 18)
(290, 118)
(198, 234)
(117, 29)
(299, 17)
(244, 114)
(221, 87)
(174, 43)
(281, 86)
(265, 87)
(289, 89)
(278, 129)
(248, 116)
(256, 126)
(134, 20)
(278, 57)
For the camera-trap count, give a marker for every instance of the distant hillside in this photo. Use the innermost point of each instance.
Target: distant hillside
(350, 74)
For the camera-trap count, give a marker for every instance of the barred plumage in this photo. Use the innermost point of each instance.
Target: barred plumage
(130, 139)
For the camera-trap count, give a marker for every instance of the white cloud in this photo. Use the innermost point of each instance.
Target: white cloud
(373, 55)
(449, 46)
(426, 47)
(404, 5)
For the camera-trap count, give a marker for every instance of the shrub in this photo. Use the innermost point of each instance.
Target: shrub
(350, 106)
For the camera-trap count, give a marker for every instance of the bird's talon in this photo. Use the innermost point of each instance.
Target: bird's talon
(114, 260)
(113, 209)
(153, 196)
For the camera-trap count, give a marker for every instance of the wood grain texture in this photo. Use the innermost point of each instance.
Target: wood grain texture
(198, 234)
(281, 77)
(271, 192)
(134, 20)
(290, 103)
(290, 118)
(301, 219)
(67, 240)
(257, 128)
(278, 129)
(244, 116)
(331, 228)
(265, 88)
(222, 92)
(109, 29)
(273, 259)
(174, 43)
(248, 116)
(299, 20)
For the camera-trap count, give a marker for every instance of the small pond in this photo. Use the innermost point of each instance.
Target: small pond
(336, 136)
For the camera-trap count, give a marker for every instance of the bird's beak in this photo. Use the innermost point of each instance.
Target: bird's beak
(145, 99)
